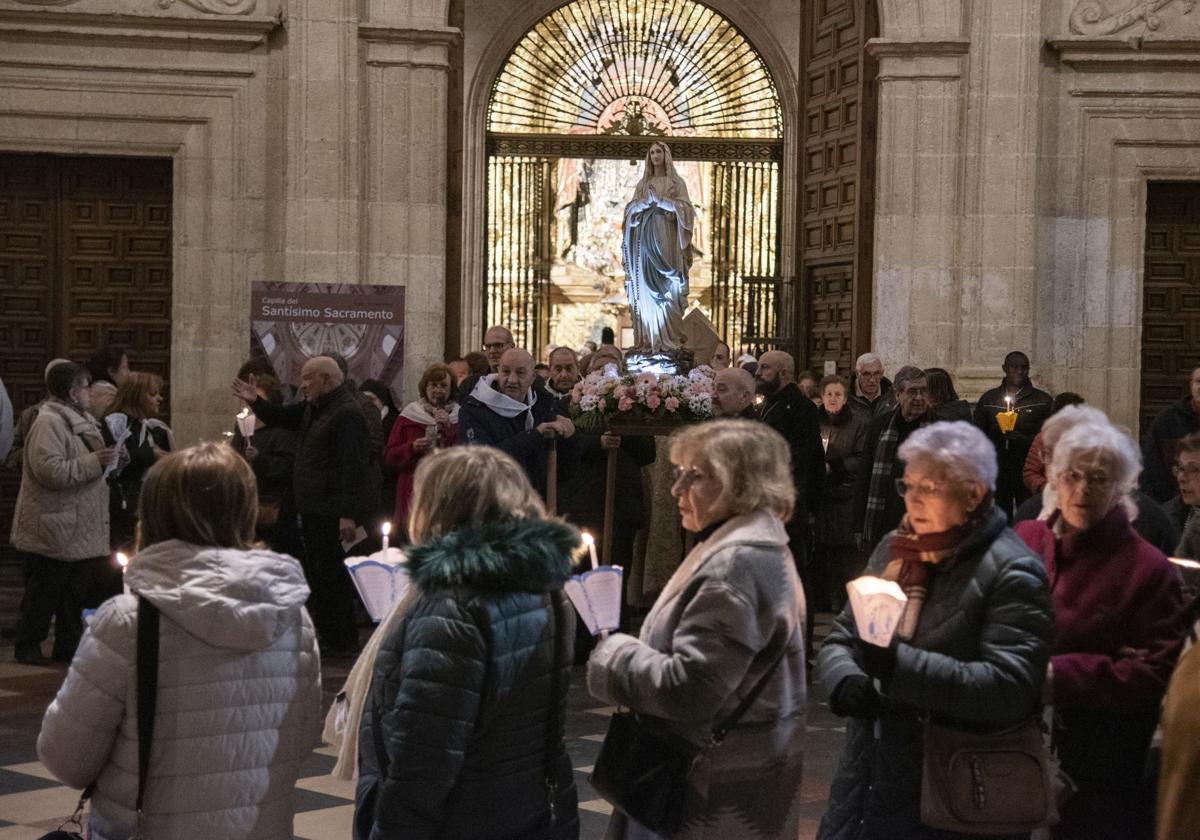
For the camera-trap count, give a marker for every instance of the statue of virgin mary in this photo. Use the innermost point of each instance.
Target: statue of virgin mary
(657, 253)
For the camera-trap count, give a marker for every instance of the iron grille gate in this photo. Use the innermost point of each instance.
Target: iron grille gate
(750, 303)
(519, 209)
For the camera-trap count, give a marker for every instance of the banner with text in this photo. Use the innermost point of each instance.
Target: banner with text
(292, 322)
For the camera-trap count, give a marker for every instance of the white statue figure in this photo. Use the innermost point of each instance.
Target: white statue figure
(657, 253)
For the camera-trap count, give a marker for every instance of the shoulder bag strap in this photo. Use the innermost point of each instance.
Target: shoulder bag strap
(555, 721)
(724, 727)
(147, 694)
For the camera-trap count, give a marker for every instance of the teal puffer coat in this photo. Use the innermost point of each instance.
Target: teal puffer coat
(453, 741)
(977, 661)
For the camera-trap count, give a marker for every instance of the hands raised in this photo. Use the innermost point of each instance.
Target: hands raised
(247, 391)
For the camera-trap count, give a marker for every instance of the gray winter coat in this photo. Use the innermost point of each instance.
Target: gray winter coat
(977, 661)
(239, 698)
(731, 610)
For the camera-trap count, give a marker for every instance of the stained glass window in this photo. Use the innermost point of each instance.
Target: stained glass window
(636, 67)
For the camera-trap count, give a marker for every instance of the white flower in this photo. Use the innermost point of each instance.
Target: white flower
(589, 402)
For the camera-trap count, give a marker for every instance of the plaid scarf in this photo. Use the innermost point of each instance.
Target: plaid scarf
(881, 487)
(914, 557)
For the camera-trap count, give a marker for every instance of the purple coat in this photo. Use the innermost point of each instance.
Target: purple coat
(1118, 626)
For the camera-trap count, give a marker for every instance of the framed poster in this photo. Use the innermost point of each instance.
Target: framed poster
(292, 322)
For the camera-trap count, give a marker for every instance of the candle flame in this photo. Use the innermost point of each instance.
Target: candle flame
(244, 413)
(588, 539)
(758, 400)
(122, 560)
(386, 528)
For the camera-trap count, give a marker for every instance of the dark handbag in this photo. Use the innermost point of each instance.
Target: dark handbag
(147, 700)
(988, 783)
(644, 768)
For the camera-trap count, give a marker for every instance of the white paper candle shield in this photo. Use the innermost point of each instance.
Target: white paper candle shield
(877, 605)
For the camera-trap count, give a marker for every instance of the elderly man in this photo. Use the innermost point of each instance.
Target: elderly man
(733, 394)
(331, 488)
(870, 391)
(510, 411)
(497, 341)
(1161, 444)
(1032, 407)
(563, 374)
(879, 506)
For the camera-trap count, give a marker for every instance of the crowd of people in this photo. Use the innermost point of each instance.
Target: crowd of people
(1029, 534)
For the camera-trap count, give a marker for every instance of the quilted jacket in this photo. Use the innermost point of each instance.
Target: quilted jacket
(978, 660)
(62, 507)
(453, 740)
(239, 698)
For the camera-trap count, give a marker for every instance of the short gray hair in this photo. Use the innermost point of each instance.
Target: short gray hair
(1059, 424)
(750, 461)
(1100, 436)
(906, 374)
(867, 359)
(959, 449)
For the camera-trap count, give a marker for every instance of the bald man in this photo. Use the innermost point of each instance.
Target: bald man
(733, 394)
(330, 488)
(786, 410)
(513, 412)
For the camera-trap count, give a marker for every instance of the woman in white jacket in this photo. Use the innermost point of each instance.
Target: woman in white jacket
(239, 684)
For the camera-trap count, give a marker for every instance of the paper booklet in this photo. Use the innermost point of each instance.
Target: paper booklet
(596, 596)
(360, 534)
(118, 425)
(877, 605)
(380, 581)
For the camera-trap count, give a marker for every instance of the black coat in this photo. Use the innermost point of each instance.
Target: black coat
(1160, 446)
(844, 457)
(883, 404)
(478, 425)
(466, 710)
(1153, 522)
(978, 660)
(794, 416)
(1032, 407)
(893, 509)
(329, 477)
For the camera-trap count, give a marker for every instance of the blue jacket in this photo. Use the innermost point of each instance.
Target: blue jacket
(464, 698)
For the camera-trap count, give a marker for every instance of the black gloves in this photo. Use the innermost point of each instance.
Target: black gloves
(855, 697)
(877, 661)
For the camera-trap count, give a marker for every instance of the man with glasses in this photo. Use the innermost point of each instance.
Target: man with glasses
(870, 391)
(1160, 446)
(1032, 406)
(1184, 509)
(880, 507)
(497, 341)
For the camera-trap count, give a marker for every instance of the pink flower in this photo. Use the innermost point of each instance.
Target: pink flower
(624, 404)
(646, 378)
(671, 403)
(653, 401)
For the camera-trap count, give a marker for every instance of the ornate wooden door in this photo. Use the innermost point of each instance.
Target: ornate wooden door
(1171, 297)
(85, 261)
(838, 114)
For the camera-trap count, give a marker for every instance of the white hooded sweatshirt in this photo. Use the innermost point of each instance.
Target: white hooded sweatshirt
(239, 698)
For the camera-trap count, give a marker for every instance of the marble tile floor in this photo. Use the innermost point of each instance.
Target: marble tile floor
(32, 802)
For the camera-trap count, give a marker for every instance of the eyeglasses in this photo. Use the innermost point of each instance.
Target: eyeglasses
(920, 489)
(915, 391)
(497, 345)
(1186, 472)
(1094, 479)
(686, 477)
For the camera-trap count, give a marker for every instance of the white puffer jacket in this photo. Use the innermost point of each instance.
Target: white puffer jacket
(239, 698)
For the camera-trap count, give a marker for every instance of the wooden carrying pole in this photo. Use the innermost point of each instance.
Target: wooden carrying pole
(610, 500)
(552, 475)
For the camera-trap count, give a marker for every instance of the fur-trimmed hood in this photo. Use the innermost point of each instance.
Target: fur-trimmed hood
(517, 555)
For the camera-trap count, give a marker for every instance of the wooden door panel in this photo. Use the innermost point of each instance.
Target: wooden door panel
(1171, 295)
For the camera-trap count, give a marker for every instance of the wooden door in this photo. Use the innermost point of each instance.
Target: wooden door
(1171, 296)
(838, 118)
(85, 261)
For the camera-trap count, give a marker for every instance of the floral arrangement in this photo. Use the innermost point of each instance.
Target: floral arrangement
(641, 398)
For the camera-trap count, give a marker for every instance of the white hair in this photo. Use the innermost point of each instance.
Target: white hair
(1072, 415)
(962, 451)
(867, 359)
(1100, 436)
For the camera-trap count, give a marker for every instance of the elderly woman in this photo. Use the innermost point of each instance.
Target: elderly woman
(461, 733)
(239, 680)
(425, 424)
(60, 524)
(1118, 625)
(970, 649)
(731, 616)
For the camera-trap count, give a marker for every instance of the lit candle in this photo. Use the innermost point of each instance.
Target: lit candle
(386, 528)
(1008, 403)
(590, 542)
(759, 399)
(123, 562)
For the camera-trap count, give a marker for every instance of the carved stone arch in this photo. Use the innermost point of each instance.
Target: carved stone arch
(920, 20)
(478, 91)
